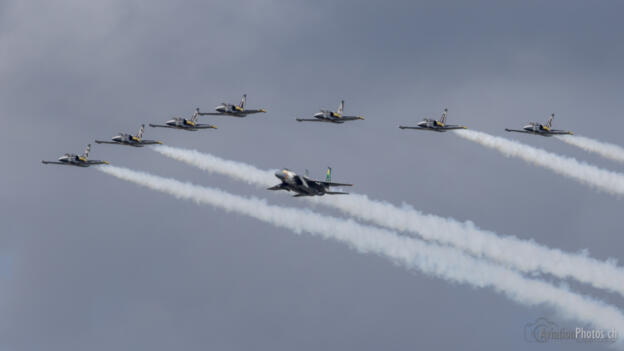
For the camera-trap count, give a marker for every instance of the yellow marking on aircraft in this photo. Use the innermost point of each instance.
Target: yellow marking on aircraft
(238, 108)
(191, 123)
(546, 128)
(82, 159)
(262, 110)
(135, 138)
(361, 117)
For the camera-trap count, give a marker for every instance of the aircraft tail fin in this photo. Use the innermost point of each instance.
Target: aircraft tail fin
(550, 120)
(194, 118)
(328, 176)
(443, 118)
(87, 150)
(140, 133)
(340, 107)
(243, 100)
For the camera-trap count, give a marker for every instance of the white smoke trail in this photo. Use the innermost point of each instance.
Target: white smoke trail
(442, 262)
(607, 150)
(522, 255)
(608, 181)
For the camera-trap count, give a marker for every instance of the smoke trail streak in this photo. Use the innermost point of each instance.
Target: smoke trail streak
(608, 181)
(522, 255)
(442, 262)
(606, 150)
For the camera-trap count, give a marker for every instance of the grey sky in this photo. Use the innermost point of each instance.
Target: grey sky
(91, 262)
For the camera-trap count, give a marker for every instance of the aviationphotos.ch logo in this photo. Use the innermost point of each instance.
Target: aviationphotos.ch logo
(543, 330)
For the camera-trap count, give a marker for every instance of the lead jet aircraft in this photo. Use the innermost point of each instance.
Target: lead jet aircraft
(330, 116)
(239, 110)
(436, 126)
(305, 186)
(541, 129)
(130, 140)
(77, 160)
(184, 124)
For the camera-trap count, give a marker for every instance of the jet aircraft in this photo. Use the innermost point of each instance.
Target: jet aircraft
(239, 110)
(330, 116)
(76, 160)
(304, 186)
(541, 129)
(433, 125)
(130, 140)
(185, 124)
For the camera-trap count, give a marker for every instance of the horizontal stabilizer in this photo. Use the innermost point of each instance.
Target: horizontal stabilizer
(335, 184)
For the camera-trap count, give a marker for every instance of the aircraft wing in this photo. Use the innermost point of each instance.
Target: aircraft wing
(558, 132)
(97, 162)
(150, 142)
(310, 120)
(336, 193)
(106, 142)
(350, 118)
(452, 127)
(205, 126)
(53, 163)
(519, 131)
(421, 128)
(161, 126)
(248, 112)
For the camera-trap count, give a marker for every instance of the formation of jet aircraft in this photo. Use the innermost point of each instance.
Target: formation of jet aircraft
(435, 126)
(540, 129)
(305, 186)
(130, 140)
(330, 116)
(239, 110)
(76, 160)
(184, 124)
(290, 181)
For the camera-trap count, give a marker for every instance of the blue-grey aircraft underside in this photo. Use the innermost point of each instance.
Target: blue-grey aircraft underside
(184, 124)
(330, 116)
(225, 109)
(541, 129)
(435, 125)
(130, 140)
(76, 160)
(304, 186)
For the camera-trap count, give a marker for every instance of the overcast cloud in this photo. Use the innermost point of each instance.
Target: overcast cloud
(90, 262)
